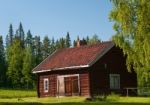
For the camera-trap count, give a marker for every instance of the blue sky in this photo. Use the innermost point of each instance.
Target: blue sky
(57, 17)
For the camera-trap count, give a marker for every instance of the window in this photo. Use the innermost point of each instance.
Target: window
(46, 85)
(115, 81)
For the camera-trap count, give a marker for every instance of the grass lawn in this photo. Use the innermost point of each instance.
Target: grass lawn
(19, 97)
(6, 93)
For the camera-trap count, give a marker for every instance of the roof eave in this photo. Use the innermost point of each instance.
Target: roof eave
(64, 68)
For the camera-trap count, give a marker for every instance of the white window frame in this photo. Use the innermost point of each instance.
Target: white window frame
(110, 78)
(46, 88)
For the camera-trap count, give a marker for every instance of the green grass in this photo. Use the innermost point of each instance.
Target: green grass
(45, 100)
(24, 97)
(4, 93)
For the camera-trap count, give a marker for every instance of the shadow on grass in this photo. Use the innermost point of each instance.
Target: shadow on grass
(74, 103)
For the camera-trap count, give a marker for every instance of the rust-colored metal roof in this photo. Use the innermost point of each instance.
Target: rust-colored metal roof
(77, 57)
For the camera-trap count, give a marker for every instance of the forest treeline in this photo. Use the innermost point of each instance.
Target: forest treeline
(23, 51)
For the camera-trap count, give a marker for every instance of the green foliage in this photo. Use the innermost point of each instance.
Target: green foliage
(132, 26)
(74, 43)
(20, 60)
(52, 46)
(88, 40)
(9, 37)
(29, 39)
(37, 48)
(20, 34)
(46, 47)
(27, 78)
(9, 41)
(68, 40)
(60, 43)
(2, 63)
(95, 39)
(113, 97)
(15, 63)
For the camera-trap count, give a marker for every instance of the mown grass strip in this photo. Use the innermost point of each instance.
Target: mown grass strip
(29, 97)
(4, 93)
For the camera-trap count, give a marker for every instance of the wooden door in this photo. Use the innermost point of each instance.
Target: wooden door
(75, 87)
(71, 85)
(68, 86)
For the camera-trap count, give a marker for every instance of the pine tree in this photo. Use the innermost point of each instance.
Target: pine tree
(11, 33)
(7, 41)
(2, 64)
(9, 37)
(20, 34)
(29, 42)
(52, 46)
(29, 39)
(46, 47)
(74, 43)
(57, 45)
(68, 40)
(37, 46)
(132, 26)
(60, 43)
(87, 39)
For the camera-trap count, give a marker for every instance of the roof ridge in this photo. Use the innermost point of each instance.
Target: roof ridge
(83, 46)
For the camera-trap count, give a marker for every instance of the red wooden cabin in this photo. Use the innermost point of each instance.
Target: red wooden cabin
(84, 71)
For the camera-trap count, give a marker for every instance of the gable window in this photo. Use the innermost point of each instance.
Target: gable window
(46, 84)
(114, 81)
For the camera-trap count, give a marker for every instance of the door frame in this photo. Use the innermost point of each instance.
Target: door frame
(70, 75)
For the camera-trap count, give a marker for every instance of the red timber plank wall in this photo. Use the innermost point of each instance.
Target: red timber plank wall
(52, 85)
(83, 77)
(85, 84)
